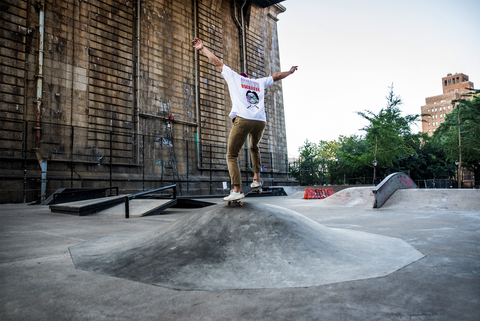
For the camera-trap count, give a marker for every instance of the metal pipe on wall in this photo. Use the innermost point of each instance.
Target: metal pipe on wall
(244, 60)
(197, 93)
(25, 150)
(244, 50)
(39, 76)
(241, 28)
(137, 81)
(43, 166)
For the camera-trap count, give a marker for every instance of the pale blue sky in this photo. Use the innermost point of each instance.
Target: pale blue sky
(350, 52)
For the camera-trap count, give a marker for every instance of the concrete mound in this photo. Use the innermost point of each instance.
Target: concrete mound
(351, 197)
(296, 195)
(253, 246)
(435, 199)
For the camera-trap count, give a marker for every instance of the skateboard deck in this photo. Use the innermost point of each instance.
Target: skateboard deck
(247, 190)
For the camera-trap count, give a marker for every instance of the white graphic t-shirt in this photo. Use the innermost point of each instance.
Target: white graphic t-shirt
(247, 95)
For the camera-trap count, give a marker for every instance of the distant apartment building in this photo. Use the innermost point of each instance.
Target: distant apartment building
(436, 107)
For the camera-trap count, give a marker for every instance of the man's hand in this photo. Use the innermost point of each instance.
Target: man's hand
(281, 75)
(197, 44)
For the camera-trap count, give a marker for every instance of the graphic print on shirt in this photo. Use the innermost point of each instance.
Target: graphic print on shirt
(252, 96)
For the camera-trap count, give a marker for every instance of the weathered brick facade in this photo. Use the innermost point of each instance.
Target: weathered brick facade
(124, 99)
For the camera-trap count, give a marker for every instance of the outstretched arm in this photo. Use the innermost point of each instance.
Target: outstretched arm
(280, 75)
(198, 44)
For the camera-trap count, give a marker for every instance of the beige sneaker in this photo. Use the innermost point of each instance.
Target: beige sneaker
(256, 184)
(234, 196)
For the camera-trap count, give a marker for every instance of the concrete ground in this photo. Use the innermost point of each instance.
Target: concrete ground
(38, 280)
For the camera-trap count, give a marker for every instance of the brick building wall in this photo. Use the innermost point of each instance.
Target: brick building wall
(119, 94)
(437, 107)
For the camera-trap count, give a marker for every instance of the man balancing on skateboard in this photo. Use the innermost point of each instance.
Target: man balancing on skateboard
(248, 115)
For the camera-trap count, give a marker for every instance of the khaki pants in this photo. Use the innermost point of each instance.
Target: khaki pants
(241, 128)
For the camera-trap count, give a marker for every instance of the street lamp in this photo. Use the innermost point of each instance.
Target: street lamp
(374, 170)
(336, 162)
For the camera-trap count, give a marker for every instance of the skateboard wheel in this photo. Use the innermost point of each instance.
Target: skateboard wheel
(228, 203)
(240, 203)
(259, 192)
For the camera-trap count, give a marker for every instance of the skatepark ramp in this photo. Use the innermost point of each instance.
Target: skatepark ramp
(252, 246)
(407, 199)
(67, 195)
(389, 185)
(369, 196)
(435, 199)
(87, 207)
(350, 197)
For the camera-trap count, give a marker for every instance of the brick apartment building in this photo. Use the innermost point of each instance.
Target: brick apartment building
(102, 93)
(436, 107)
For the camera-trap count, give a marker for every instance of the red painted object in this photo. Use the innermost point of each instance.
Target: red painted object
(311, 193)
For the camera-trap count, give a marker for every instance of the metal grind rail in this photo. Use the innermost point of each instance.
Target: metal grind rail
(129, 197)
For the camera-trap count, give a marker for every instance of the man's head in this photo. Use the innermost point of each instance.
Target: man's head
(244, 75)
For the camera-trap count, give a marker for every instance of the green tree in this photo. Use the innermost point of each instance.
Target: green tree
(429, 160)
(388, 133)
(352, 159)
(460, 133)
(316, 164)
(326, 152)
(305, 169)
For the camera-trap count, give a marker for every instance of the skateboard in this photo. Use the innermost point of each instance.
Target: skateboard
(247, 190)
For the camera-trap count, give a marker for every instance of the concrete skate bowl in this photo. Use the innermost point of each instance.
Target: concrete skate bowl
(434, 199)
(250, 247)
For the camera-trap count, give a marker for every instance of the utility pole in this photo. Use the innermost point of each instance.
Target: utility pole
(459, 150)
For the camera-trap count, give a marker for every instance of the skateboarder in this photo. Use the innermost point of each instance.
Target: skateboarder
(248, 115)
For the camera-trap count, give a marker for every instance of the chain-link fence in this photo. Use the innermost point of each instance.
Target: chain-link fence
(311, 172)
(436, 183)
